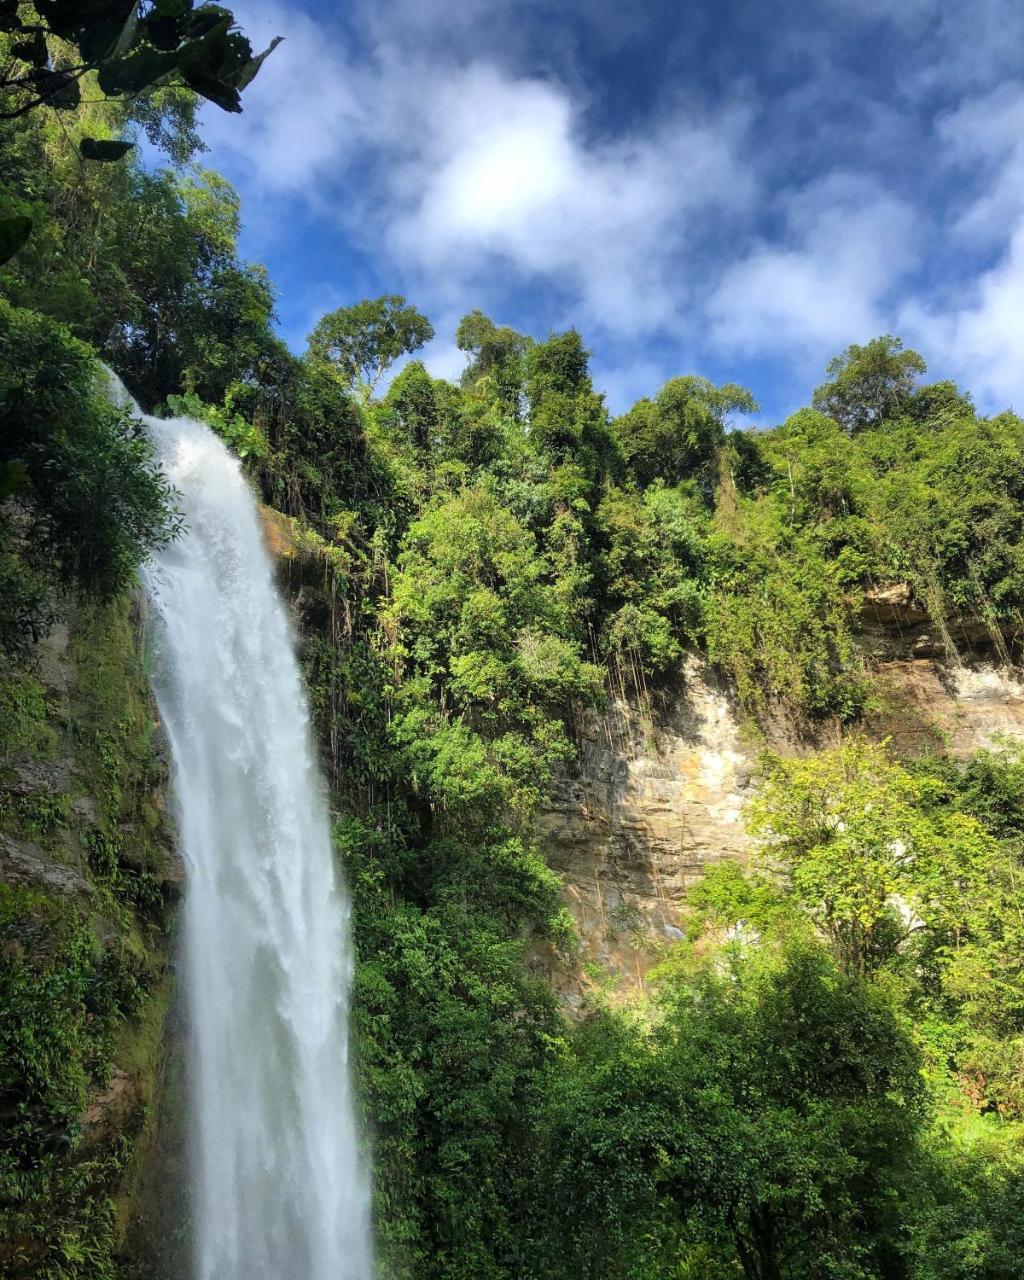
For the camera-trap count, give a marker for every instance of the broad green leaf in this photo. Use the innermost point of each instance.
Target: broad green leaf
(102, 32)
(13, 234)
(135, 72)
(246, 74)
(98, 149)
(128, 34)
(215, 91)
(206, 47)
(162, 32)
(207, 18)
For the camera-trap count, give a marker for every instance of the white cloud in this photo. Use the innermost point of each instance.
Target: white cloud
(510, 181)
(845, 246)
(301, 115)
(453, 171)
(977, 333)
(982, 342)
(468, 171)
(986, 134)
(950, 45)
(443, 358)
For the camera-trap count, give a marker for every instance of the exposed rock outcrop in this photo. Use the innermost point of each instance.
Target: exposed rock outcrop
(652, 802)
(656, 798)
(27, 865)
(87, 850)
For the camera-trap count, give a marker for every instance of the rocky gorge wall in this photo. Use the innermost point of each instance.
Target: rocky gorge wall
(89, 879)
(658, 795)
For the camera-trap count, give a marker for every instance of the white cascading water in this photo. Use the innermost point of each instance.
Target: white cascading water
(279, 1190)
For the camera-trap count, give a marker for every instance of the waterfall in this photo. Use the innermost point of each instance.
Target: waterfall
(278, 1190)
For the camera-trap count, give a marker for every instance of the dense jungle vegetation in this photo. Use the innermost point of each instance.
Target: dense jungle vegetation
(826, 1079)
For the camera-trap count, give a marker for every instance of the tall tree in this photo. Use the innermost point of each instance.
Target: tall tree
(362, 342)
(869, 383)
(681, 430)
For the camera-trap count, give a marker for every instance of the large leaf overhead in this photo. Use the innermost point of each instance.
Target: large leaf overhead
(133, 73)
(13, 234)
(102, 149)
(134, 46)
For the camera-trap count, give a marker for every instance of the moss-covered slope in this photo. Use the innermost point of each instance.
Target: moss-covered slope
(88, 879)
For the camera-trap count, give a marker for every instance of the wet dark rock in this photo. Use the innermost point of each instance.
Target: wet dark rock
(31, 777)
(28, 865)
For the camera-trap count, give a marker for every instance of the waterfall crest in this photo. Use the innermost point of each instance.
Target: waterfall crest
(279, 1192)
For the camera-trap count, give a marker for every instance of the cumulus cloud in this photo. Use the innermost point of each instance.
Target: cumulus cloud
(976, 330)
(303, 114)
(461, 153)
(845, 246)
(454, 171)
(509, 177)
(985, 135)
(981, 342)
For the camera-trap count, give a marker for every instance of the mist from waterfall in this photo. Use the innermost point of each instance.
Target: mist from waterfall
(279, 1189)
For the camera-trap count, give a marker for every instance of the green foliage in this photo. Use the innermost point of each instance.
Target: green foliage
(869, 384)
(764, 1119)
(489, 663)
(240, 436)
(967, 1223)
(451, 1032)
(94, 499)
(954, 522)
(131, 47)
(78, 971)
(679, 434)
(363, 341)
(497, 357)
(912, 875)
(728, 901)
(868, 855)
(655, 571)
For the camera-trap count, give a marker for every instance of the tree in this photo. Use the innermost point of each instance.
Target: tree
(568, 419)
(655, 571)
(766, 1123)
(681, 431)
(869, 856)
(869, 384)
(363, 341)
(497, 355)
(92, 501)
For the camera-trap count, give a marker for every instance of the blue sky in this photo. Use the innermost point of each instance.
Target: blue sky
(732, 188)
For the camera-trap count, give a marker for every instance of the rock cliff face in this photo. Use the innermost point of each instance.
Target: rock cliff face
(87, 861)
(656, 797)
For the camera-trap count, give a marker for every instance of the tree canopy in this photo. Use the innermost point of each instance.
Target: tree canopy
(870, 383)
(363, 341)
